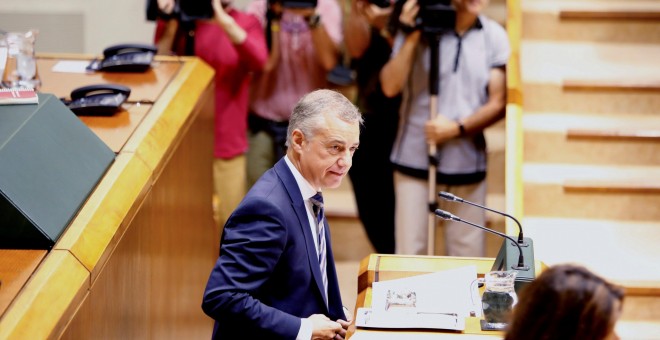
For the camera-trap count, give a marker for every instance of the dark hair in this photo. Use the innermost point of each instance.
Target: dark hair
(566, 302)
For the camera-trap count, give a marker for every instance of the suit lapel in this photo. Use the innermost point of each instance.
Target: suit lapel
(300, 210)
(334, 298)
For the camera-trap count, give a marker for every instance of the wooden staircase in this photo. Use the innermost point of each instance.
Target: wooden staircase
(591, 138)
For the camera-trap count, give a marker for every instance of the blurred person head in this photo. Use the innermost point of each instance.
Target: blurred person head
(567, 302)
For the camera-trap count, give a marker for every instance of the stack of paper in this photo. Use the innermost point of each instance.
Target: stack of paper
(440, 300)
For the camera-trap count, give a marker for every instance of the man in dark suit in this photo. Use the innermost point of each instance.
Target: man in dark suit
(275, 277)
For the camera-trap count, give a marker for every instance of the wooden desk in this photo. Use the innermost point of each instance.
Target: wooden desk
(145, 90)
(116, 130)
(134, 261)
(379, 267)
(145, 87)
(16, 267)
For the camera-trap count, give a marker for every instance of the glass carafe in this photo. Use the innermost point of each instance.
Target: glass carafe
(498, 299)
(21, 64)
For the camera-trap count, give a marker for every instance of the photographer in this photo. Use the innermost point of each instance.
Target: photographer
(233, 43)
(472, 96)
(174, 33)
(368, 38)
(305, 36)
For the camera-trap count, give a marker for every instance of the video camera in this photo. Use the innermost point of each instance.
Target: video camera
(297, 3)
(436, 16)
(380, 3)
(184, 10)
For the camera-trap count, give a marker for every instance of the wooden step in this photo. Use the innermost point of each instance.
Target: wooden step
(623, 251)
(631, 85)
(630, 139)
(595, 21)
(549, 61)
(641, 308)
(626, 11)
(606, 185)
(552, 97)
(577, 191)
(593, 78)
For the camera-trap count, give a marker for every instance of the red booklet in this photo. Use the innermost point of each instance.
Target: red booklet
(18, 96)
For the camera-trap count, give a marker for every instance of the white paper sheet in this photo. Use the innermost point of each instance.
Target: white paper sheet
(440, 300)
(71, 66)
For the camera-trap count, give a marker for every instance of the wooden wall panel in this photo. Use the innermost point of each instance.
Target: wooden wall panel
(49, 298)
(151, 285)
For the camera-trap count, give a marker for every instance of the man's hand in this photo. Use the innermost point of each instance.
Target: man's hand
(341, 335)
(166, 6)
(374, 15)
(409, 12)
(325, 329)
(220, 14)
(440, 130)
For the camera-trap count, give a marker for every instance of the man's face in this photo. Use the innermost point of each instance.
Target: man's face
(471, 6)
(326, 157)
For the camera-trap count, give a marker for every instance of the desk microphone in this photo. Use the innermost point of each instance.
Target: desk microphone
(521, 260)
(451, 197)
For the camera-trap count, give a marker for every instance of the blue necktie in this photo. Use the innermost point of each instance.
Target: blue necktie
(317, 206)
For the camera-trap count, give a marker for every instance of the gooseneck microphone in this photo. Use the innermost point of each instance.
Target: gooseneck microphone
(521, 260)
(451, 197)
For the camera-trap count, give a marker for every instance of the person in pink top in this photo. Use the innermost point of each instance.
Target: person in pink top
(233, 43)
(304, 47)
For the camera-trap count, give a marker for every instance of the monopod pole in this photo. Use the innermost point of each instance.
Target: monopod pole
(434, 89)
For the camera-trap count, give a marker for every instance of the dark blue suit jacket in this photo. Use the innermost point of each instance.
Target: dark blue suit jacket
(267, 276)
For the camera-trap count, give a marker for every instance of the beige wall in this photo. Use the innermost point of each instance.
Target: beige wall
(80, 26)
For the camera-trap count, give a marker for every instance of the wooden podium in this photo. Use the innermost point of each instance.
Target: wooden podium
(134, 261)
(380, 267)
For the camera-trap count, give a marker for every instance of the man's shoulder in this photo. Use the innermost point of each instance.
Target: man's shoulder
(272, 182)
(494, 32)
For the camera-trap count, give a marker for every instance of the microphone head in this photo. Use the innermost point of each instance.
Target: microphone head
(445, 215)
(449, 196)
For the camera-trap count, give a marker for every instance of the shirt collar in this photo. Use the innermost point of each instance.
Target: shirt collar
(477, 24)
(306, 189)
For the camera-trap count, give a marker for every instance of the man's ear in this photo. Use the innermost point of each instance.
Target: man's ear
(298, 140)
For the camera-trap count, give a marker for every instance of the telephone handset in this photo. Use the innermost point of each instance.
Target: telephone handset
(125, 58)
(98, 100)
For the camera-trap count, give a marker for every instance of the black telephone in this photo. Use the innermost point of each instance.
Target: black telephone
(98, 100)
(125, 58)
